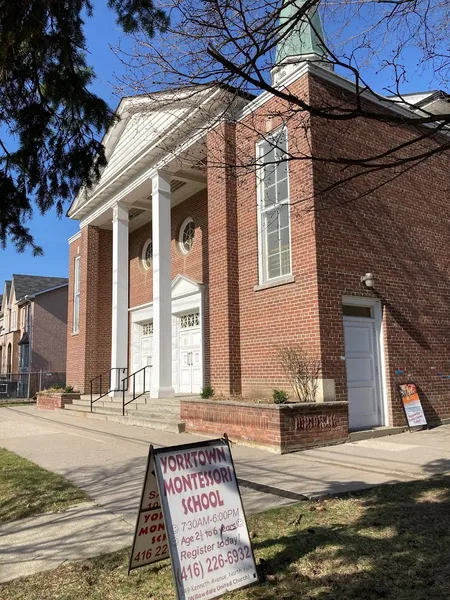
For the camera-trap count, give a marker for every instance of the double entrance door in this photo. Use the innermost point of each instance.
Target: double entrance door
(186, 355)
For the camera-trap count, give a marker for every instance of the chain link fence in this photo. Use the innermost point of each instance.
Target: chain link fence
(26, 385)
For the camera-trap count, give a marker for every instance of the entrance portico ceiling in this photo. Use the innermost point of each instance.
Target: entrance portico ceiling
(156, 131)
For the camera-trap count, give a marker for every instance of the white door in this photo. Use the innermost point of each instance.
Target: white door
(146, 354)
(361, 360)
(144, 359)
(190, 361)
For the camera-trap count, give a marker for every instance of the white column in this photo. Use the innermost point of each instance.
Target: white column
(161, 384)
(119, 343)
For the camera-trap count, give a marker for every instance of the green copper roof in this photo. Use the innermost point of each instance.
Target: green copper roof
(305, 37)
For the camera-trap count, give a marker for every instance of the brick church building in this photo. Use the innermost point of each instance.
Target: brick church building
(195, 271)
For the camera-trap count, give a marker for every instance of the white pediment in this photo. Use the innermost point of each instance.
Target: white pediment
(152, 129)
(142, 131)
(184, 286)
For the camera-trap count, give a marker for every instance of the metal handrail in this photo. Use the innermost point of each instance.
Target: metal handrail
(100, 377)
(133, 375)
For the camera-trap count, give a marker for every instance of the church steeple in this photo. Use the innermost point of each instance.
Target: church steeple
(304, 41)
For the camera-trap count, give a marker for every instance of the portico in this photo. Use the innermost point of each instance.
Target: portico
(157, 323)
(148, 336)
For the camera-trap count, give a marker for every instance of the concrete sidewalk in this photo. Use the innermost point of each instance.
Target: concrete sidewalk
(107, 460)
(43, 542)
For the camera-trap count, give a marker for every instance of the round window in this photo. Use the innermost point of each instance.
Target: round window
(187, 234)
(147, 254)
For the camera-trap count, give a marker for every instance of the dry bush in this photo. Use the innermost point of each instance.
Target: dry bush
(302, 371)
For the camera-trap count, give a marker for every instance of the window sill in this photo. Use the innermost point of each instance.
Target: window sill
(275, 283)
(75, 333)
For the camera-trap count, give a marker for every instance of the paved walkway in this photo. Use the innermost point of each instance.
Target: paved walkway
(107, 460)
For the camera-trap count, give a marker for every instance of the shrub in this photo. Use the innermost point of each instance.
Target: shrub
(280, 396)
(302, 370)
(60, 390)
(207, 392)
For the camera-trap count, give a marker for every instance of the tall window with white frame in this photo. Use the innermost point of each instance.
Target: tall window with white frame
(76, 295)
(273, 207)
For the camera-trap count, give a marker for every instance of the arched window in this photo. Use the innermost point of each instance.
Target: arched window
(147, 254)
(187, 235)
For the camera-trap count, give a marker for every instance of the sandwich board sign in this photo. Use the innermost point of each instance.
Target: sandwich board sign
(150, 538)
(204, 520)
(412, 405)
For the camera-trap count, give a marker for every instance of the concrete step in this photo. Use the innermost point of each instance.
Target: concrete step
(87, 408)
(376, 432)
(136, 418)
(153, 404)
(145, 411)
(140, 400)
(145, 398)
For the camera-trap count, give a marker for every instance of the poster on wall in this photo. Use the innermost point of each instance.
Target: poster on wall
(150, 539)
(209, 542)
(412, 405)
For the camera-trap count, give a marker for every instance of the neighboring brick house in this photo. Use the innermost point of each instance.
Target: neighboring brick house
(199, 271)
(33, 332)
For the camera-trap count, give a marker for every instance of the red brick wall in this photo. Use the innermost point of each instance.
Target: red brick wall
(193, 265)
(284, 314)
(223, 235)
(89, 351)
(52, 401)
(397, 228)
(49, 331)
(280, 428)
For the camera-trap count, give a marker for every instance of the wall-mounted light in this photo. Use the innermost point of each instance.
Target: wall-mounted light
(368, 279)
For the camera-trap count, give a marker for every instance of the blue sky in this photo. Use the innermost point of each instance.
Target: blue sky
(52, 233)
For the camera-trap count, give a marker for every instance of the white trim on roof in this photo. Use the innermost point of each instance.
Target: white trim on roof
(75, 236)
(332, 77)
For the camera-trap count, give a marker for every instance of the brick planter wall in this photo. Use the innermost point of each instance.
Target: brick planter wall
(54, 400)
(280, 428)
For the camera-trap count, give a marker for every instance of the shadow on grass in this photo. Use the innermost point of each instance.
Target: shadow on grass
(392, 542)
(26, 489)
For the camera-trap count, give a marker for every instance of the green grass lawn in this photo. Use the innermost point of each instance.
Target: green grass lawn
(26, 489)
(391, 543)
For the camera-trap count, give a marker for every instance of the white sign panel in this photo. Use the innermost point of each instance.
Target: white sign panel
(209, 542)
(150, 540)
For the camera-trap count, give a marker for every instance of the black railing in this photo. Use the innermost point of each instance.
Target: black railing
(106, 377)
(134, 396)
